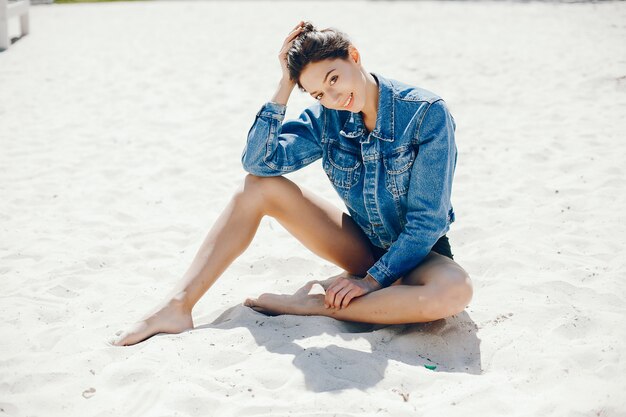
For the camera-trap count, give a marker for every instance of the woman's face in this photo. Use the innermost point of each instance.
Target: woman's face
(338, 84)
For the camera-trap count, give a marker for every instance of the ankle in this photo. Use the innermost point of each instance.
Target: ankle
(180, 302)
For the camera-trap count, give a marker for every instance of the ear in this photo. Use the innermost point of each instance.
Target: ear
(354, 54)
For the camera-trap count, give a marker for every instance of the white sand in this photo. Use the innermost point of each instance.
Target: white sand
(121, 128)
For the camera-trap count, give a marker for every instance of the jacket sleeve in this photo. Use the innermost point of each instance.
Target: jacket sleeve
(428, 200)
(276, 148)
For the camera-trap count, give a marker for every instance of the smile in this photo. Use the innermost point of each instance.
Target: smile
(348, 101)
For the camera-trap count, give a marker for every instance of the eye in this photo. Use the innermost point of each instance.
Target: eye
(333, 80)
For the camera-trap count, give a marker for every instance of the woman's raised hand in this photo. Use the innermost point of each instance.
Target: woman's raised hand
(282, 55)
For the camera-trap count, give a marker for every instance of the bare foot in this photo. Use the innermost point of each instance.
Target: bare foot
(173, 318)
(300, 303)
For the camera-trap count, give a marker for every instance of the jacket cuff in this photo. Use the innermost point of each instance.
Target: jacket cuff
(273, 110)
(381, 275)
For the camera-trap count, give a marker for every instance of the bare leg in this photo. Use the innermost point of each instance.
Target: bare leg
(327, 231)
(229, 236)
(436, 289)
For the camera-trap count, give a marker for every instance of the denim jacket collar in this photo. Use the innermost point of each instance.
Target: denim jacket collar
(354, 126)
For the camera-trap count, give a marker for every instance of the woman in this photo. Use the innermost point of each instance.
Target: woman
(389, 151)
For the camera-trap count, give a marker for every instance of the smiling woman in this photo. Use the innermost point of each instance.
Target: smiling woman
(389, 151)
(319, 62)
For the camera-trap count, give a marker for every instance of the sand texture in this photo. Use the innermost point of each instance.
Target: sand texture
(121, 130)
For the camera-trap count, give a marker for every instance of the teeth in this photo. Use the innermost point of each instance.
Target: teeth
(348, 101)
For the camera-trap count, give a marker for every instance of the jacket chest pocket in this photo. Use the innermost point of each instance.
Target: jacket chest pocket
(398, 171)
(342, 166)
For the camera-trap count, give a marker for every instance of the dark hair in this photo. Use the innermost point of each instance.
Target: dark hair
(313, 45)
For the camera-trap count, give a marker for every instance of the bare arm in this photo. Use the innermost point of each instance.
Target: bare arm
(283, 92)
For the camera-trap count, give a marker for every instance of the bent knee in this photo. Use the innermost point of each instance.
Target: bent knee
(257, 190)
(252, 181)
(450, 294)
(458, 291)
(266, 186)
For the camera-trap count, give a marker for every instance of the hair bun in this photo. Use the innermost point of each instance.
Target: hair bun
(307, 27)
(314, 45)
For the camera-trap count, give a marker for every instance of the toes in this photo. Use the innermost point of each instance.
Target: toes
(263, 300)
(115, 339)
(256, 306)
(120, 340)
(253, 304)
(114, 342)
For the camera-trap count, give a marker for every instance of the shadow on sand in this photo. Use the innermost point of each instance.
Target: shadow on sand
(450, 344)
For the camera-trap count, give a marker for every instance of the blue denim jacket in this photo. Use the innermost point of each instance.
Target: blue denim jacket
(396, 181)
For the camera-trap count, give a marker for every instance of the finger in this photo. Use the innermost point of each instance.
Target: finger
(331, 291)
(288, 43)
(329, 297)
(294, 33)
(292, 36)
(332, 286)
(295, 30)
(339, 297)
(346, 300)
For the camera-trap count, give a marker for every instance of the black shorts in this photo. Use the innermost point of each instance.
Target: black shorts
(442, 247)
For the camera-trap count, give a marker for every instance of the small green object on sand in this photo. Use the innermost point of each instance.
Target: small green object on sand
(431, 367)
